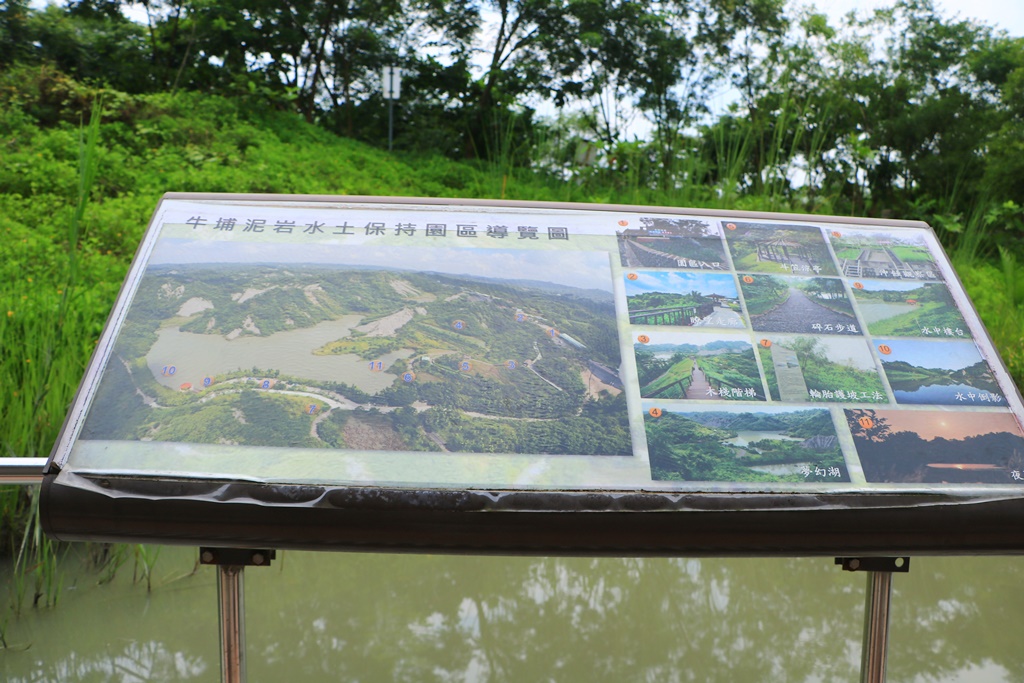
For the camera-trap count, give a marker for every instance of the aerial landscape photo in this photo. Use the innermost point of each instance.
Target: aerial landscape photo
(897, 254)
(820, 369)
(684, 299)
(938, 372)
(771, 248)
(369, 348)
(935, 446)
(697, 367)
(906, 308)
(759, 445)
(798, 304)
(666, 242)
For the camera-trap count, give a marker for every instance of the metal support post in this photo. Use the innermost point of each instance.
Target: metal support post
(231, 598)
(231, 565)
(391, 121)
(875, 648)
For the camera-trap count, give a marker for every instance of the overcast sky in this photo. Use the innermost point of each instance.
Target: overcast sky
(1002, 14)
(583, 269)
(947, 355)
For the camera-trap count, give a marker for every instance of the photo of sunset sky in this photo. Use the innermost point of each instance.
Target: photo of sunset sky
(938, 446)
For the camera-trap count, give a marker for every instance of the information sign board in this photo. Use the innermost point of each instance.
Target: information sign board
(522, 377)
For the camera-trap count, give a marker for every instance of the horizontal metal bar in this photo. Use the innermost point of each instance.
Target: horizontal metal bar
(24, 471)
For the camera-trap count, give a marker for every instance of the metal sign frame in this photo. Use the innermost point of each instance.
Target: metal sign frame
(86, 499)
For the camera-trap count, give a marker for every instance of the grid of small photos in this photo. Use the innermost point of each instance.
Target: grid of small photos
(761, 347)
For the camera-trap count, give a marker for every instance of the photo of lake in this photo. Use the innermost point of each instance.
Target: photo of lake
(909, 309)
(938, 446)
(737, 445)
(938, 372)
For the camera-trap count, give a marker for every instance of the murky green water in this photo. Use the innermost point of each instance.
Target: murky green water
(355, 617)
(196, 356)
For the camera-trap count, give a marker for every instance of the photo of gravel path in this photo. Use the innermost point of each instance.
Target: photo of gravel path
(816, 305)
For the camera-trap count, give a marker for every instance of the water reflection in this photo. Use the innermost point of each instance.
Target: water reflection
(313, 617)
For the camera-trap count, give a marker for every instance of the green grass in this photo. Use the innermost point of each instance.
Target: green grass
(930, 314)
(678, 372)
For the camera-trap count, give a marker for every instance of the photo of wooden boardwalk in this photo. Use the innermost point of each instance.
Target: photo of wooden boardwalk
(683, 299)
(689, 366)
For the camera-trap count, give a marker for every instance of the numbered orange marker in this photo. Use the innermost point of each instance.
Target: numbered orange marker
(376, 365)
(312, 408)
(749, 280)
(520, 317)
(858, 285)
(655, 412)
(409, 376)
(866, 422)
(623, 223)
(465, 366)
(511, 364)
(730, 226)
(553, 332)
(632, 276)
(459, 325)
(207, 381)
(836, 233)
(884, 349)
(643, 339)
(766, 343)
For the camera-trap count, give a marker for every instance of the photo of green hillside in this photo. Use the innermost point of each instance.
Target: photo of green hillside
(765, 445)
(370, 357)
(820, 369)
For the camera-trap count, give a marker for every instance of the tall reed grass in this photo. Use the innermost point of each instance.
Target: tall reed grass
(40, 328)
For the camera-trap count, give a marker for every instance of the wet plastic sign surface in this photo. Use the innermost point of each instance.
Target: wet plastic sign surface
(468, 346)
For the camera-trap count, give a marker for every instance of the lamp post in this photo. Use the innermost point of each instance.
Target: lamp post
(391, 77)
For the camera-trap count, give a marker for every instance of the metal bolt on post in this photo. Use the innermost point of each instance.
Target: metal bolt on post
(231, 565)
(875, 648)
